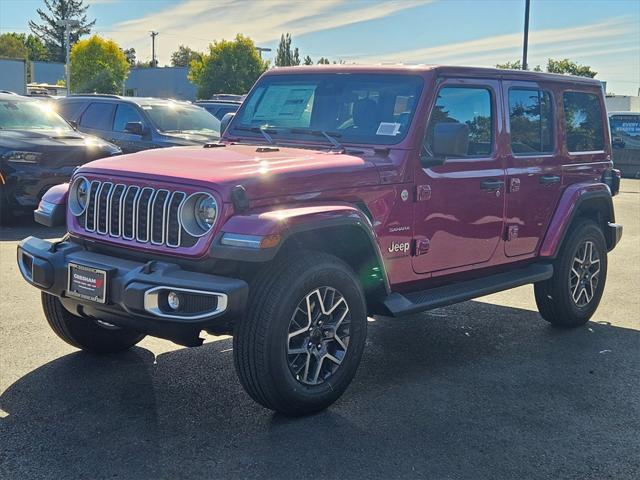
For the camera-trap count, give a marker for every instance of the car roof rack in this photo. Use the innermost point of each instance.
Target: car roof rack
(101, 95)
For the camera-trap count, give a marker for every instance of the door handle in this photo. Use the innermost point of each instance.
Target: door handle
(549, 179)
(492, 184)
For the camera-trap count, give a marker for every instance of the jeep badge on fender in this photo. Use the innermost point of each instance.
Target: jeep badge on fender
(300, 223)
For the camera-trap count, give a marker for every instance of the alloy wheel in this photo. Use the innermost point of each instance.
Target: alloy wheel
(318, 336)
(585, 274)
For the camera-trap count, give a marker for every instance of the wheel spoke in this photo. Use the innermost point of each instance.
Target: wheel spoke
(297, 350)
(339, 341)
(316, 371)
(333, 359)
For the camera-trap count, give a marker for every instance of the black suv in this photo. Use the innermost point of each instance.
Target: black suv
(136, 124)
(220, 105)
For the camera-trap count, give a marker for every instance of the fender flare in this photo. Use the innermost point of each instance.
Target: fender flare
(52, 207)
(287, 222)
(573, 198)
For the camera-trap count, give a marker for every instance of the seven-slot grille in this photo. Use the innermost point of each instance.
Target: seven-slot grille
(140, 214)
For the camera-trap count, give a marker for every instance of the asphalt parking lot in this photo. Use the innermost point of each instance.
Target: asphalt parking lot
(480, 390)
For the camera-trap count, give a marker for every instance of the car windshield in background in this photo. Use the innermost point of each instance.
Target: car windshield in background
(625, 131)
(30, 115)
(353, 108)
(176, 118)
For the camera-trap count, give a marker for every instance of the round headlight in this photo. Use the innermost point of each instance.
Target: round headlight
(78, 196)
(198, 214)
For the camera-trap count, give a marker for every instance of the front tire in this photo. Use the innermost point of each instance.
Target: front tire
(86, 333)
(571, 296)
(300, 343)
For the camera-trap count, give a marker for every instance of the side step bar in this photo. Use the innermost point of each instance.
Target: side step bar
(398, 304)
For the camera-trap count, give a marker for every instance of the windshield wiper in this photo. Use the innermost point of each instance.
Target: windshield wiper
(261, 130)
(331, 136)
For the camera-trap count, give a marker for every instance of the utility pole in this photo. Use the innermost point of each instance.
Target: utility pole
(67, 24)
(153, 48)
(262, 49)
(525, 45)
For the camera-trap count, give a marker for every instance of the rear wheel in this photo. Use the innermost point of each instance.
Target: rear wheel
(86, 333)
(572, 295)
(299, 345)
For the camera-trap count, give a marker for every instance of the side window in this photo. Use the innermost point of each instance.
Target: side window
(98, 116)
(531, 121)
(69, 110)
(125, 113)
(583, 122)
(468, 105)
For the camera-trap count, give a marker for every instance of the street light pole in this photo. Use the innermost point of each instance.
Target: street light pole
(153, 48)
(67, 24)
(525, 45)
(262, 49)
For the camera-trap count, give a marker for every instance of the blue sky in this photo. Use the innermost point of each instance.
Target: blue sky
(602, 33)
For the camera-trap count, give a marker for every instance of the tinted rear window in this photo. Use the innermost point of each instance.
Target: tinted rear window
(98, 116)
(531, 121)
(583, 122)
(69, 110)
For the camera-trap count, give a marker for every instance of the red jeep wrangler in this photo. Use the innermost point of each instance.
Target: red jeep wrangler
(336, 193)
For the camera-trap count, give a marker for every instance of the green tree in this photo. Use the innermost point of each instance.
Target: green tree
(285, 57)
(52, 34)
(130, 55)
(12, 47)
(517, 65)
(563, 66)
(307, 60)
(566, 66)
(228, 67)
(97, 65)
(184, 56)
(323, 61)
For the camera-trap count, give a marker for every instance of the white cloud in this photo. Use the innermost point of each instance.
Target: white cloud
(197, 22)
(490, 50)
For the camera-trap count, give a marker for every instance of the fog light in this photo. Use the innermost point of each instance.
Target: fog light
(173, 300)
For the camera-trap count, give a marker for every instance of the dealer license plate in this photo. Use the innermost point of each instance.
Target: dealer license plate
(87, 282)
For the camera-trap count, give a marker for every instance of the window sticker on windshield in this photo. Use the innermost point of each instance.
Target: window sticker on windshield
(284, 102)
(389, 129)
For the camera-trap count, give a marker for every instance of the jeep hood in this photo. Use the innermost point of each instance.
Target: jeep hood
(263, 171)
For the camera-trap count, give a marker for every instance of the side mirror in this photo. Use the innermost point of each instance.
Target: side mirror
(135, 128)
(226, 120)
(450, 139)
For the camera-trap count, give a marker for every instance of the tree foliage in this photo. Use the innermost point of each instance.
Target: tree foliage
(53, 34)
(285, 56)
(12, 47)
(323, 61)
(307, 60)
(184, 56)
(228, 67)
(563, 66)
(130, 55)
(98, 65)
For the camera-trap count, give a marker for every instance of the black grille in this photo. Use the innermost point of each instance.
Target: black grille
(141, 214)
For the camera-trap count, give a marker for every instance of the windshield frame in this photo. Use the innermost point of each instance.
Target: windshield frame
(45, 110)
(237, 131)
(147, 108)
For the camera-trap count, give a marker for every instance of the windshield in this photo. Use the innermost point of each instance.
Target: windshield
(176, 118)
(625, 131)
(351, 108)
(30, 115)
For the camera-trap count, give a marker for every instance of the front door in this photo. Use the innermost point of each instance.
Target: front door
(460, 203)
(534, 170)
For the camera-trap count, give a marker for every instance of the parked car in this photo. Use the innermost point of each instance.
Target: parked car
(136, 124)
(220, 105)
(338, 193)
(625, 138)
(38, 149)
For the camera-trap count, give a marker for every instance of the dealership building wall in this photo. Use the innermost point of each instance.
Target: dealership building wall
(14, 75)
(622, 103)
(165, 82)
(47, 72)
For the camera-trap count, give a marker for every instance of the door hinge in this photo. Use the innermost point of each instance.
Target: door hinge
(423, 193)
(511, 233)
(421, 246)
(514, 185)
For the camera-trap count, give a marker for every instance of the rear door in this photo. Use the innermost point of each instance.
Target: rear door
(459, 208)
(534, 164)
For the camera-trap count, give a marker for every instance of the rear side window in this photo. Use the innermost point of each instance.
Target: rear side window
(98, 116)
(471, 106)
(125, 113)
(583, 122)
(69, 110)
(531, 121)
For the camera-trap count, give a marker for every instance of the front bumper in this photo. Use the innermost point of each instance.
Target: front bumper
(615, 234)
(133, 290)
(25, 186)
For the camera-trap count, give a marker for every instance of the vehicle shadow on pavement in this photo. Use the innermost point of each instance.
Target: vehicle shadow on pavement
(23, 227)
(466, 392)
